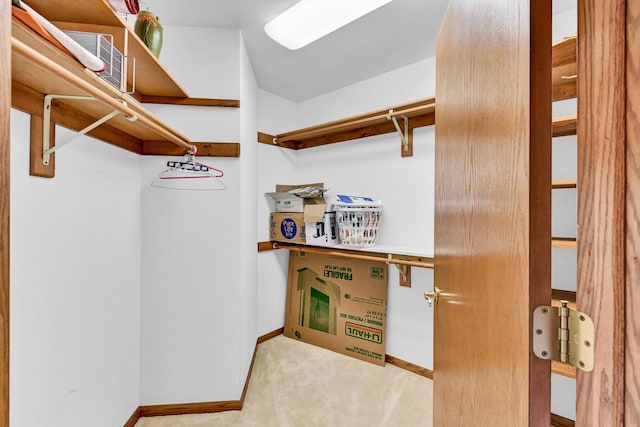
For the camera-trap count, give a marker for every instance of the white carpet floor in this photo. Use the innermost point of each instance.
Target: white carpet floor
(300, 385)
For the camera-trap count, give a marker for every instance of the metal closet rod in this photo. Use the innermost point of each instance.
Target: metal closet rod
(343, 254)
(56, 68)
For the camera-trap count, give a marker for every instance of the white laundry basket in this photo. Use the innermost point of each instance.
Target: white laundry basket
(358, 221)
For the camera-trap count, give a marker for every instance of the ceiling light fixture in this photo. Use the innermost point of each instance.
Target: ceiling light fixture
(310, 20)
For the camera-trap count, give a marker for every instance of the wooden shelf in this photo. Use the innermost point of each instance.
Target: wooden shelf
(156, 81)
(413, 257)
(400, 255)
(34, 76)
(565, 183)
(177, 100)
(39, 68)
(558, 295)
(564, 52)
(563, 126)
(83, 12)
(563, 369)
(157, 86)
(564, 242)
(563, 74)
(420, 113)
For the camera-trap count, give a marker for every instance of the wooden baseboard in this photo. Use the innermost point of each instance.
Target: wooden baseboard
(202, 407)
(411, 367)
(133, 419)
(190, 408)
(392, 360)
(236, 405)
(272, 334)
(259, 341)
(558, 421)
(419, 370)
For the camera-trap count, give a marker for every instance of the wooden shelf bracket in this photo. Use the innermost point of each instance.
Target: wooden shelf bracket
(405, 135)
(47, 147)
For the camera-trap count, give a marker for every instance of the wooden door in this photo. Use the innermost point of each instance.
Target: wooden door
(5, 104)
(493, 212)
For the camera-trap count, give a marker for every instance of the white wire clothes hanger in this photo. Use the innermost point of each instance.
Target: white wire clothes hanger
(190, 174)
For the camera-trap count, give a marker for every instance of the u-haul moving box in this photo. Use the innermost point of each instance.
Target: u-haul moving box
(339, 304)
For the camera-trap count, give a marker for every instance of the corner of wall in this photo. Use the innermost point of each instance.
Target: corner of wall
(248, 255)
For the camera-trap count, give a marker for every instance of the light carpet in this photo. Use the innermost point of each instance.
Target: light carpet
(295, 384)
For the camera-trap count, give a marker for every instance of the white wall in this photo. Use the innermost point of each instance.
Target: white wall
(371, 166)
(275, 166)
(190, 290)
(401, 85)
(75, 284)
(374, 167)
(205, 61)
(198, 247)
(248, 207)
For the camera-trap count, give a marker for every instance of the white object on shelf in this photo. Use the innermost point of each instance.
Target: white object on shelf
(85, 57)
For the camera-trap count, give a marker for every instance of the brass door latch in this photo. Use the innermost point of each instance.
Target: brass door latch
(432, 297)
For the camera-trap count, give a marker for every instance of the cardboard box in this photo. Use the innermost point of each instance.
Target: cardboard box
(312, 207)
(323, 233)
(291, 228)
(287, 227)
(338, 303)
(287, 202)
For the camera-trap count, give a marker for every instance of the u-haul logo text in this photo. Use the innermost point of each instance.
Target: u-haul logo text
(363, 332)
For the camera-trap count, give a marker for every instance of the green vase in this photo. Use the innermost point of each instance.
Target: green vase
(149, 30)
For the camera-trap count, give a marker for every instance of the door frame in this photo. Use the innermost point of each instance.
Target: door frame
(601, 205)
(632, 249)
(5, 110)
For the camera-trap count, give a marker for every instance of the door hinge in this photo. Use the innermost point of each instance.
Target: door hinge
(563, 334)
